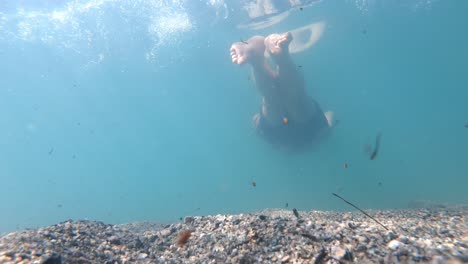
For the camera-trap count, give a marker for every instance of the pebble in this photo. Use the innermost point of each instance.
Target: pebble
(341, 253)
(363, 239)
(188, 220)
(394, 244)
(285, 259)
(404, 240)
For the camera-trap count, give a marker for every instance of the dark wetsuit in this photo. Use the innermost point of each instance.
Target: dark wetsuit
(293, 134)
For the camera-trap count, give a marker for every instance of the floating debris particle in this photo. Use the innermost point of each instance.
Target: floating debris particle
(285, 120)
(183, 237)
(59, 205)
(295, 212)
(360, 210)
(466, 125)
(51, 151)
(345, 165)
(377, 146)
(254, 184)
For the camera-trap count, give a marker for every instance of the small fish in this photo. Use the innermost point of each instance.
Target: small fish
(364, 31)
(295, 212)
(466, 125)
(51, 151)
(380, 184)
(300, 8)
(59, 205)
(245, 42)
(254, 184)
(345, 165)
(287, 205)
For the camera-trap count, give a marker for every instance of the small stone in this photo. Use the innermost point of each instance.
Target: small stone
(404, 240)
(340, 253)
(188, 220)
(463, 258)
(361, 248)
(165, 232)
(114, 240)
(394, 244)
(460, 244)
(438, 260)
(142, 256)
(443, 231)
(363, 239)
(419, 258)
(54, 259)
(25, 256)
(262, 217)
(9, 254)
(285, 259)
(390, 236)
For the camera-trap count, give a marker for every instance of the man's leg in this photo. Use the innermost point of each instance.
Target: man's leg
(252, 52)
(300, 106)
(290, 79)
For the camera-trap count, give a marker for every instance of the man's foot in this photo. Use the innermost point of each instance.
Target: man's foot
(248, 51)
(277, 44)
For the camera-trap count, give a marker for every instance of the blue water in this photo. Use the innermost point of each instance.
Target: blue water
(132, 110)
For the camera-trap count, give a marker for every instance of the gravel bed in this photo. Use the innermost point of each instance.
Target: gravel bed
(270, 236)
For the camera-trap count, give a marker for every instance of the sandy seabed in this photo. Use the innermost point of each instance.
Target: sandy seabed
(437, 235)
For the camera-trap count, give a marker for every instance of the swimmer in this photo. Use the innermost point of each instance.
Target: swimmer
(282, 88)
